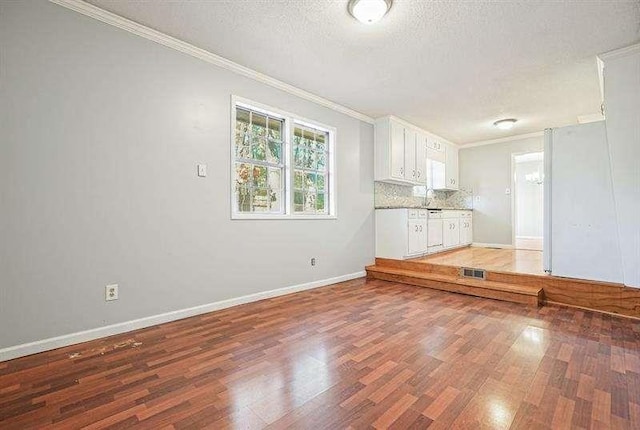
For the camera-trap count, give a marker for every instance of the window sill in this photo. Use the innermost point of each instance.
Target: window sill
(281, 217)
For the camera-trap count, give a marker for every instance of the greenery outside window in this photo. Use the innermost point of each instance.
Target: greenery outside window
(282, 165)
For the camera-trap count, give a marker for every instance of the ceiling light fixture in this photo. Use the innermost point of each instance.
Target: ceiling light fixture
(369, 11)
(505, 124)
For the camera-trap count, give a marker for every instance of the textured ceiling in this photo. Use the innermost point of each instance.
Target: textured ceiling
(451, 67)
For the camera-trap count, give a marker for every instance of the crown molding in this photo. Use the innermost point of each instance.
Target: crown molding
(502, 140)
(202, 54)
(622, 52)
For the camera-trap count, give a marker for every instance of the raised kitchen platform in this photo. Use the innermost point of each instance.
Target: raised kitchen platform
(509, 275)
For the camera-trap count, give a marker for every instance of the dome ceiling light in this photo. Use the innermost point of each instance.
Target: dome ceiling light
(369, 11)
(505, 124)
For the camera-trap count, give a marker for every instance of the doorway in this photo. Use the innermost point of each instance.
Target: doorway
(528, 200)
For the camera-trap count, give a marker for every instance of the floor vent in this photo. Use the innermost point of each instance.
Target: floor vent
(468, 272)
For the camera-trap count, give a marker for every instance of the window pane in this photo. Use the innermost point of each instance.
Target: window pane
(259, 148)
(275, 129)
(259, 176)
(260, 200)
(309, 201)
(320, 204)
(275, 178)
(298, 201)
(243, 198)
(309, 159)
(274, 154)
(321, 160)
(242, 121)
(299, 155)
(298, 179)
(321, 142)
(276, 200)
(321, 182)
(310, 181)
(258, 124)
(308, 138)
(243, 173)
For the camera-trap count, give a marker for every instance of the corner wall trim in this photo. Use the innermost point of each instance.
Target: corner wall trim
(202, 54)
(491, 245)
(119, 328)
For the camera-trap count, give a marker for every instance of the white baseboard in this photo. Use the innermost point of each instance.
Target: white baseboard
(110, 330)
(491, 245)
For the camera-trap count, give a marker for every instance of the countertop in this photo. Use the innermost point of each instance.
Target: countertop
(423, 207)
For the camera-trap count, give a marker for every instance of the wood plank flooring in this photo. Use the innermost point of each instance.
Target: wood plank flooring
(355, 355)
(503, 260)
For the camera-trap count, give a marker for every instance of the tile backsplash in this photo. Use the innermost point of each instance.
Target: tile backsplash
(391, 195)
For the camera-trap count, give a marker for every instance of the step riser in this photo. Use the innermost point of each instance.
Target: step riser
(456, 288)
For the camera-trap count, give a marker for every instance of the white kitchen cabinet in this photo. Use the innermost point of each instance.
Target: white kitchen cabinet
(450, 229)
(417, 240)
(396, 150)
(410, 154)
(435, 165)
(466, 228)
(421, 158)
(400, 153)
(451, 167)
(401, 233)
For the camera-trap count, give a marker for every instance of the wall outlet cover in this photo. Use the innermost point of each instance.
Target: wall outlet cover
(111, 292)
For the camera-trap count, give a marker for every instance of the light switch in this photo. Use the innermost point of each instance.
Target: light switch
(202, 170)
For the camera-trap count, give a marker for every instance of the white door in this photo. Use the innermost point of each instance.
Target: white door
(397, 151)
(415, 237)
(421, 159)
(451, 233)
(409, 154)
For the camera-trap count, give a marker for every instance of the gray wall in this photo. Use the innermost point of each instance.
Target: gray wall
(487, 171)
(100, 134)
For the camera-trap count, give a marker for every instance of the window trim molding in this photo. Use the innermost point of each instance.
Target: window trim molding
(289, 121)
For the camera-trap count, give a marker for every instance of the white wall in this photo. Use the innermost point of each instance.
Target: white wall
(622, 105)
(487, 171)
(100, 134)
(528, 198)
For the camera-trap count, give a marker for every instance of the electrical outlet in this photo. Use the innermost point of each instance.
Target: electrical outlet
(111, 292)
(313, 261)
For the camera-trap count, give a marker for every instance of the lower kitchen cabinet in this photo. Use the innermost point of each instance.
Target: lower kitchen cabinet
(406, 233)
(401, 233)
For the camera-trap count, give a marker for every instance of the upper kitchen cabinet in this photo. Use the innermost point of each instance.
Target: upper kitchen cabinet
(400, 153)
(408, 155)
(451, 167)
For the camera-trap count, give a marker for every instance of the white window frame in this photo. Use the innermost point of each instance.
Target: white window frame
(289, 121)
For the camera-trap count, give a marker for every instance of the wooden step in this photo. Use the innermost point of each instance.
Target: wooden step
(530, 295)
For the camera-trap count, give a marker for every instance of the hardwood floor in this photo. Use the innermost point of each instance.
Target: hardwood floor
(355, 355)
(504, 260)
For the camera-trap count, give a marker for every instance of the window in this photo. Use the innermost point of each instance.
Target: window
(283, 165)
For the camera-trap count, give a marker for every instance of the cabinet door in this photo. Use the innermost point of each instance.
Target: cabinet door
(421, 159)
(451, 233)
(397, 151)
(415, 236)
(409, 155)
(465, 231)
(451, 167)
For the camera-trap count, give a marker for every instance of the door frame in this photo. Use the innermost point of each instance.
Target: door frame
(513, 191)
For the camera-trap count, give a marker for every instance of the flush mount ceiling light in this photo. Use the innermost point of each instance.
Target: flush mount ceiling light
(369, 11)
(505, 124)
